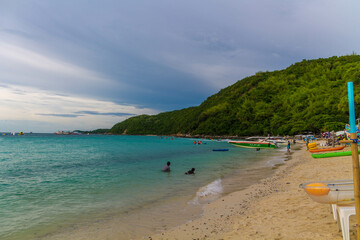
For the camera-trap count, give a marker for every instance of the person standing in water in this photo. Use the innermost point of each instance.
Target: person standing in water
(192, 171)
(166, 168)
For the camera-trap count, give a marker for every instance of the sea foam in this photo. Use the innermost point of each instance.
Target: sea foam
(214, 188)
(208, 193)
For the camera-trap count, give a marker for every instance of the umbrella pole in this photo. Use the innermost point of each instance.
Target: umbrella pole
(355, 156)
(356, 176)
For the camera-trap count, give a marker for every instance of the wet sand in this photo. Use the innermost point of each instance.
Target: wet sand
(274, 208)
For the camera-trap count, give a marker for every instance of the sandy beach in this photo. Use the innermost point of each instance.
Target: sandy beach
(274, 208)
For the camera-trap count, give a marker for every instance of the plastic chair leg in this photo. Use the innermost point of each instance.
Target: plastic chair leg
(344, 215)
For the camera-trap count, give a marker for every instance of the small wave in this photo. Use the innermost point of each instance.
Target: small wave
(272, 162)
(214, 188)
(208, 193)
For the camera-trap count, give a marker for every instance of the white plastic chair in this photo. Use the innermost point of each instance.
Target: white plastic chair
(334, 211)
(344, 214)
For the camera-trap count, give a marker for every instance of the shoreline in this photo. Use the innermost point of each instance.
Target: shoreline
(184, 210)
(183, 135)
(273, 208)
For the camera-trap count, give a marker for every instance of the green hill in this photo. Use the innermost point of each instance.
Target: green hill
(307, 96)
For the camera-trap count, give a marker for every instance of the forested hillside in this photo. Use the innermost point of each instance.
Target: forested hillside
(307, 96)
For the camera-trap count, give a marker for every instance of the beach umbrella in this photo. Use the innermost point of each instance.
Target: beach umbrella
(355, 155)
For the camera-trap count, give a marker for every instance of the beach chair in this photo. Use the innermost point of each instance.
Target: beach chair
(344, 212)
(334, 211)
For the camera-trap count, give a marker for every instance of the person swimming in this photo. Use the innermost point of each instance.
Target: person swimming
(192, 171)
(166, 168)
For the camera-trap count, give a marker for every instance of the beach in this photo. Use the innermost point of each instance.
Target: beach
(112, 187)
(239, 194)
(273, 208)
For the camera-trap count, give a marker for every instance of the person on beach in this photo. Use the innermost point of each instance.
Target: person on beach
(288, 147)
(192, 171)
(307, 144)
(166, 168)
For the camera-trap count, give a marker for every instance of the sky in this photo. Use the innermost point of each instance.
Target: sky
(88, 64)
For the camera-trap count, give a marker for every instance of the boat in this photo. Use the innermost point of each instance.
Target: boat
(330, 192)
(333, 154)
(256, 138)
(62, 133)
(253, 144)
(221, 150)
(276, 140)
(327, 149)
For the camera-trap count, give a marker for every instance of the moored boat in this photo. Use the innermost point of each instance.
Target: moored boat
(62, 133)
(276, 140)
(332, 154)
(252, 144)
(327, 149)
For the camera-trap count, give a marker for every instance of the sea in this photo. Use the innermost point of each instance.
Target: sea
(112, 187)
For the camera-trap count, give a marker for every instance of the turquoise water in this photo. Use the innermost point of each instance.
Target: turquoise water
(47, 180)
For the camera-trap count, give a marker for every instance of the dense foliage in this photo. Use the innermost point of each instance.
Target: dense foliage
(97, 131)
(308, 96)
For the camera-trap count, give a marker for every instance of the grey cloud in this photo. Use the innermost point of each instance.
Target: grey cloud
(119, 114)
(126, 41)
(83, 113)
(59, 115)
(19, 33)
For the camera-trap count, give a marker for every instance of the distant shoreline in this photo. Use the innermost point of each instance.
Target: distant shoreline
(191, 136)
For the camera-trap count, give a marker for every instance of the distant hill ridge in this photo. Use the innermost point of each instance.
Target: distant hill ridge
(307, 96)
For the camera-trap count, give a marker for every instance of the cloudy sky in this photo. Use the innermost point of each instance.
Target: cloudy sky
(88, 64)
